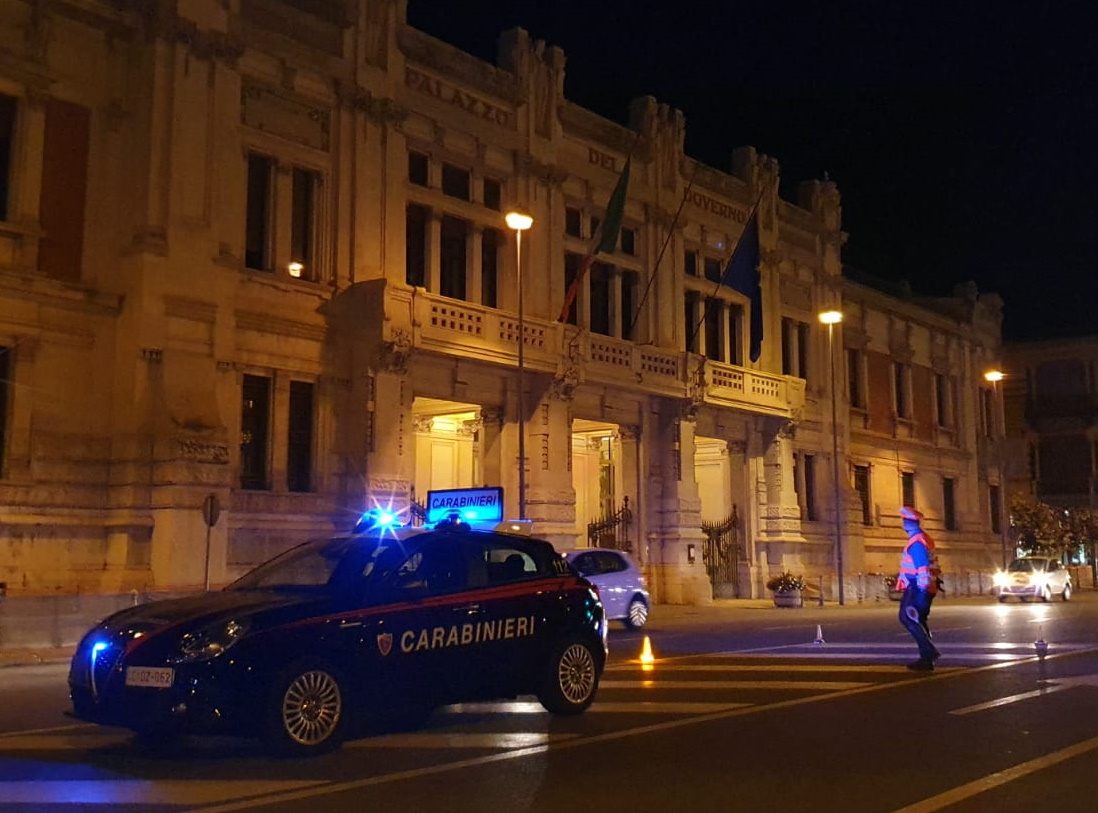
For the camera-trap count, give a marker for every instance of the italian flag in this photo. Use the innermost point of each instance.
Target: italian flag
(605, 239)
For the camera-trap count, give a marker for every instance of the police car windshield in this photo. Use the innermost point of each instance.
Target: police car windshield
(326, 565)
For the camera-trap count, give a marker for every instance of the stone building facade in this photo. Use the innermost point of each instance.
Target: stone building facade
(255, 249)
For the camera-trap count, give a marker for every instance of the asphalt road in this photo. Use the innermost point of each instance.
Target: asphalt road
(741, 711)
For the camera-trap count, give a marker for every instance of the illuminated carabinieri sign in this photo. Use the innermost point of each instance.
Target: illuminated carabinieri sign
(468, 504)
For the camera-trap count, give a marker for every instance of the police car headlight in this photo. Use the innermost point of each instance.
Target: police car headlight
(212, 641)
(1000, 579)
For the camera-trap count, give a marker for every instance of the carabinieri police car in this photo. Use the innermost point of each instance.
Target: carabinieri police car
(308, 646)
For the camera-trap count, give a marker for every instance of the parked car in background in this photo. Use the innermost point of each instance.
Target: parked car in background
(622, 587)
(1033, 577)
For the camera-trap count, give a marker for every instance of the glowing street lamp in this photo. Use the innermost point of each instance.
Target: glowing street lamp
(520, 222)
(832, 318)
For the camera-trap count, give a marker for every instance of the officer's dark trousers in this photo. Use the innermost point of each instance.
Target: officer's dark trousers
(914, 604)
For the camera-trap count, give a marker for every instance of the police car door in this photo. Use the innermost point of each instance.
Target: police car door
(508, 634)
(423, 630)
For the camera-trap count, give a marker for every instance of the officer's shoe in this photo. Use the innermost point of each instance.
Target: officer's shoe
(921, 665)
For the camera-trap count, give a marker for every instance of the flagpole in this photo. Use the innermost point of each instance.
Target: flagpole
(663, 248)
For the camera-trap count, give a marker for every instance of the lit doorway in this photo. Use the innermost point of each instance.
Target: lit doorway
(447, 445)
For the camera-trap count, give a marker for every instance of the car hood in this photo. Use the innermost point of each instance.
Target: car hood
(194, 611)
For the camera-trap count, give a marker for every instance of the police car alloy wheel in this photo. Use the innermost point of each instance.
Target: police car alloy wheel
(637, 616)
(572, 680)
(308, 710)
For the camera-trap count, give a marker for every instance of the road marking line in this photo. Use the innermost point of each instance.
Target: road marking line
(820, 685)
(1006, 701)
(666, 725)
(641, 707)
(50, 730)
(994, 780)
(114, 792)
(508, 740)
(661, 668)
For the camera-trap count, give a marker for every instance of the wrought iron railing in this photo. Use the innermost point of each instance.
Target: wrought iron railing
(417, 514)
(613, 530)
(722, 552)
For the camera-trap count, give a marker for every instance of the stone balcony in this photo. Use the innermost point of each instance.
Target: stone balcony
(451, 327)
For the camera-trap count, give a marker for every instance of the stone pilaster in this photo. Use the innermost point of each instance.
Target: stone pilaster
(550, 495)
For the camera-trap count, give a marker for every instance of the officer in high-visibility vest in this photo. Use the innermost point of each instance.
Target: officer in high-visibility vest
(918, 578)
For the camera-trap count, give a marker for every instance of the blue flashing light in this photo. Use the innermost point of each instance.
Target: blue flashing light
(378, 519)
(97, 647)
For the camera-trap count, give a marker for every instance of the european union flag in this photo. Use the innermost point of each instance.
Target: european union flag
(742, 274)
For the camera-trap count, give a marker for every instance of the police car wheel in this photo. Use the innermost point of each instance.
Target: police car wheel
(572, 680)
(307, 713)
(637, 614)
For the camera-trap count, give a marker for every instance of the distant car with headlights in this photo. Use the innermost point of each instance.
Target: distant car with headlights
(318, 640)
(1033, 577)
(622, 587)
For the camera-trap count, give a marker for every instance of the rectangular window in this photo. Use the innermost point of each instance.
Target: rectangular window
(628, 303)
(802, 350)
(452, 257)
(455, 181)
(489, 268)
(949, 507)
(7, 368)
(854, 378)
(572, 221)
(571, 269)
(303, 223)
(493, 193)
(735, 333)
(690, 263)
(690, 321)
(419, 169)
(943, 400)
(257, 240)
(810, 488)
(254, 428)
(629, 242)
(995, 501)
(713, 348)
(712, 269)
(861, 488)
(907, 488)
(415, 246)
(899, 390)
(788, 337)
(7, 139)
(299, 450)
(601, 274)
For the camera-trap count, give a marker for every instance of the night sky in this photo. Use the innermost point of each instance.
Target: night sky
(963, 140)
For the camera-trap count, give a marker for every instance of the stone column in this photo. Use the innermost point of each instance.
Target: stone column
(490, 447)
(391, 459)
(434, 252)
(631, 481)
(679, 566)
(550, 495)
(474, 289)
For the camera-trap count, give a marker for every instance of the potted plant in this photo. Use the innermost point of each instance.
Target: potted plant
(787, 590)
(894, 593)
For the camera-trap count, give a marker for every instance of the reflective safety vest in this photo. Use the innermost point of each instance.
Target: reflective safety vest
(924, 576)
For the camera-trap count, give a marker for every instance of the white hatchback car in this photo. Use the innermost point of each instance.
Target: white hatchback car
(622, 587)
(1033, 577)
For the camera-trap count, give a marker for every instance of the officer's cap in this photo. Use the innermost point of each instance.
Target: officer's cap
(907, 512)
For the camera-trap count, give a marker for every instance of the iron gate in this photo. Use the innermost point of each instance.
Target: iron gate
(722, 553)
(613, 530)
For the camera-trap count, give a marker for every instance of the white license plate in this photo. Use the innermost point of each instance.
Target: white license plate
(155, 677)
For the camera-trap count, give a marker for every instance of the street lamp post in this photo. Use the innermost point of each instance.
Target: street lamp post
(994, 377)
(520, 222)
(832, 318)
